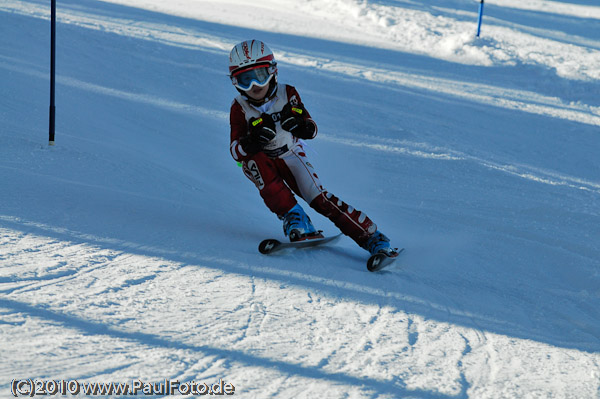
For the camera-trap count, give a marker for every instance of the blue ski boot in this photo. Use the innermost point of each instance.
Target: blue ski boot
(379, 243)
(297, 225)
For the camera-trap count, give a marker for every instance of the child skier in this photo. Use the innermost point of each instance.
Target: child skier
(268, 123)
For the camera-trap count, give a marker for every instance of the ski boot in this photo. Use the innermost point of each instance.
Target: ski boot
(297, 225)
(379, 243)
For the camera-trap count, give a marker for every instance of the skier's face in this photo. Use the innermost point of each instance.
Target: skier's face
(257, 93)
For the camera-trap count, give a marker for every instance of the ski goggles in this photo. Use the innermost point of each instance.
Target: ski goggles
(256, 76)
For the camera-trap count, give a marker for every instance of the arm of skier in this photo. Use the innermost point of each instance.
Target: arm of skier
(295, 118)
(239, 129)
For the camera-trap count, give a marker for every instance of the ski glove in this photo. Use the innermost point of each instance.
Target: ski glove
(292, 120)
(262, 130)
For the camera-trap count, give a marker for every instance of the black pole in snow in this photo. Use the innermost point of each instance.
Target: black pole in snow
(52, 69)
(480, 18)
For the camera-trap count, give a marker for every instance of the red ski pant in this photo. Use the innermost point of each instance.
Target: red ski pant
(278, 179)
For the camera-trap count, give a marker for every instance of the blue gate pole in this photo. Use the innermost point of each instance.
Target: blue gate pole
(480, 17)
(52, 70)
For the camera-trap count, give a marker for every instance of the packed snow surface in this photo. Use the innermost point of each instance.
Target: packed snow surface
(128, 251)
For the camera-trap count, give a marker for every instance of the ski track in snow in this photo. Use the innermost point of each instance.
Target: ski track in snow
(119, 305)
(117, 287)
(375, 328)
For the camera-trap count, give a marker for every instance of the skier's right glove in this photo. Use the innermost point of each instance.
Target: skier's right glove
(262, 130)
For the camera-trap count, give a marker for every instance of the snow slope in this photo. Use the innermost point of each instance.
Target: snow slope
(128, 250)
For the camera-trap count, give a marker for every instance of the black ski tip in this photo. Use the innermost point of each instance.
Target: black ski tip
(380, 260)
(376, 262)
(268, 245)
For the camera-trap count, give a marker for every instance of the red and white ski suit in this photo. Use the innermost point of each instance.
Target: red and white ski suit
(282, 167)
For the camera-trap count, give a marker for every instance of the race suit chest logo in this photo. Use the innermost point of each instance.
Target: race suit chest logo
(254, 174)
(276, 116)
(293, 101)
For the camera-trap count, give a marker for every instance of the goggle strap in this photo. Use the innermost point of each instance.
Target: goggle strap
(271, 68)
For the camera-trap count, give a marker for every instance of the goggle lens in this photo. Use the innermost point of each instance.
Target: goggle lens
(245, 79)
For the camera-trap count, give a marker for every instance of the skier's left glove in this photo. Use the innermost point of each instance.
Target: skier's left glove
(293, 120)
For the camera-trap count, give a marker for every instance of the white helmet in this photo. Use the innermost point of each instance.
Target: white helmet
(251, 63)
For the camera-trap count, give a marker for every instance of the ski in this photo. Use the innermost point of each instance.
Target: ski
(271, 245)
(382, 260)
